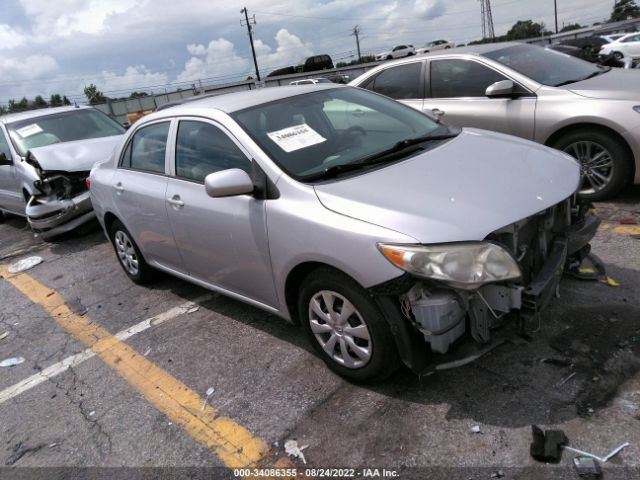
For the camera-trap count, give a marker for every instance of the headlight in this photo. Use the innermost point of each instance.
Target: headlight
(466, 265)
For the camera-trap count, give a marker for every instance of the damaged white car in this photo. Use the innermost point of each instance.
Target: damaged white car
(45, 159)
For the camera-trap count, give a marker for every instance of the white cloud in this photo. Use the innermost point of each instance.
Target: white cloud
(137, 77)
(290, 50)
(218, 59)
(9, 37)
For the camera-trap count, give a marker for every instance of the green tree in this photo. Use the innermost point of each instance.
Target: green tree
(55, 100)
(525, 29)
(65, 101)
(138, 95)
(624, 10)
(571, 26)
(94, 95)
(40, 102)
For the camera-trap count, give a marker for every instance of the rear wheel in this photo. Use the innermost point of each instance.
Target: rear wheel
(618, 55)
(129, 255)
(346, 328)
(605, 165)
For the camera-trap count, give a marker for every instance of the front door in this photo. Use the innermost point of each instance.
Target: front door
(223, 241)
(456, 93)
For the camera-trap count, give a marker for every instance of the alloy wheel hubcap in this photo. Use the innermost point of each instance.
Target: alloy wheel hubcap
(340, 329)
(596, 165)
(126, 252)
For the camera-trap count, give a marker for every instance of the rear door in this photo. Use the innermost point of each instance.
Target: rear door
(632, 46)
(223, 240)
(404, 82)
(456, 93)
(11, 198)
(139, 193)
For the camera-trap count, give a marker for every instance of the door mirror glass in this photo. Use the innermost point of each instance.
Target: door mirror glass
(228, 183)
(4, 160)
(503, 88)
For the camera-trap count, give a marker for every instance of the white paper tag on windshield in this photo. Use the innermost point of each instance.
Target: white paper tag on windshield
(29, 130)
(294, 138)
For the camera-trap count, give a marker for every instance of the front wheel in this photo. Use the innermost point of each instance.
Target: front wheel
(618, 56)
(605, 165)
(129, 255)
(346, 327)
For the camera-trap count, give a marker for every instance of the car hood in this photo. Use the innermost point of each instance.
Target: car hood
(461, 190)
(77, 156)
(616, 84)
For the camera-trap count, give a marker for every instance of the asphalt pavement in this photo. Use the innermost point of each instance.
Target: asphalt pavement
(115, 379)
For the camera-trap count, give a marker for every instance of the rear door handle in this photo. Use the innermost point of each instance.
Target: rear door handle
(119, 188)
(175, 201)
(437, 112)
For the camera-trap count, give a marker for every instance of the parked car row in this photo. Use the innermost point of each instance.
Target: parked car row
(310, 64)
(386, 219)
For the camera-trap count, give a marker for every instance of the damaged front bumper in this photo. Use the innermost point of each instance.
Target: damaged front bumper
(51, 216)
(438, 327)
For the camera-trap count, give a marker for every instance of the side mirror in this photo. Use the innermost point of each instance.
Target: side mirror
(228, 183)
(4, 161)
(503, 88)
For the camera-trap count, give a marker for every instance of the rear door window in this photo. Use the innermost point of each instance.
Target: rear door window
(401, 82)
(461, 78)
(147, 149)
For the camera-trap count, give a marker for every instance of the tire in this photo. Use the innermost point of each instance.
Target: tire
(378, 356)
(618, 56)
(601, 179)
(389, 57)
(1, 216)
(129, 256)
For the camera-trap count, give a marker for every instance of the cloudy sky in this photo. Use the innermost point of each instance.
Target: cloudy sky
(123, 45)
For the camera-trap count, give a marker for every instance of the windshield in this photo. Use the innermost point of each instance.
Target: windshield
(545, 66)
(80, 124)
(331, 128)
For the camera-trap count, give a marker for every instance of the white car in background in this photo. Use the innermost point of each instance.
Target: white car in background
(627, 46)
(613, 37)
(398, 51)
(435, 45)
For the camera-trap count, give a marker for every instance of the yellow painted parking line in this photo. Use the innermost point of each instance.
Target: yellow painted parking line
(234, 445)
(628, 229)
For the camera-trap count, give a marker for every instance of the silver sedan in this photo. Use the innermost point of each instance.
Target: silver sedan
(390, 237)
(588, 111)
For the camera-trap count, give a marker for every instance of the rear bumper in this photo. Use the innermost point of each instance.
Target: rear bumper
(55, 217)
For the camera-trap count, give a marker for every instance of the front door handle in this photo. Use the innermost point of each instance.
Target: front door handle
(119, 188)
(175, 201)
(437, 112)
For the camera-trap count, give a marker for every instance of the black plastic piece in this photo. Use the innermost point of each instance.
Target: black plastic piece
(264, 189)
(395, 286)
(587, 467)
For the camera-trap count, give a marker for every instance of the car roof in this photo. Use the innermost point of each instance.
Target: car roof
(468, 50)
(41, 112)
(233, 102)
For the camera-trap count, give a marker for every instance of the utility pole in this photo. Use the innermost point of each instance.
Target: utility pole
(248, 24)
(356, 33)
(555, 8)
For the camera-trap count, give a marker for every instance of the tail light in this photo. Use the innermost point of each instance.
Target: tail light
(87, 182)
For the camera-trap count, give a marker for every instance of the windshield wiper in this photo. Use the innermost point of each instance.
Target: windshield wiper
(591, 75)
(402, 148)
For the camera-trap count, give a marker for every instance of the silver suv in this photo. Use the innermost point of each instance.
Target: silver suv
(389, 236)
(587, 111)
(45, 159)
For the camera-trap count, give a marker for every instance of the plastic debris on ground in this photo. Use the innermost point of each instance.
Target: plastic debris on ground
(498, 474)
(566, 379)
(628, 221)
(547, 446)
(611, 282)
(92, 413)
(293, 450)
(587, 467)
(475, 429)
(4, 335)
(25, 264)
(147, 351)
(210, 391)
(10, 362)
(193, 310)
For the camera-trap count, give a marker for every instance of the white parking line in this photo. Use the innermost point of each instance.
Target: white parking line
(77, 359)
